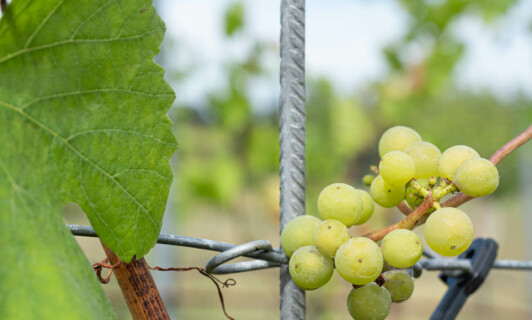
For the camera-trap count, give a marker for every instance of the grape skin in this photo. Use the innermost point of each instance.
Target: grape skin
(477, 177)
(359, 260)
(369, 302)
(309, 268)
(397, 139)
(401, 248)
(400, 285)
(386, 195)
(397, 168)
(329, 236)
(426, 157)
(341, 202)
(298, 232)
(452, 158)
(449, 231)
(367, 207)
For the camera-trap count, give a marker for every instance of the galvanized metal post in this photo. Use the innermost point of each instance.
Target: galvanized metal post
(292, 139)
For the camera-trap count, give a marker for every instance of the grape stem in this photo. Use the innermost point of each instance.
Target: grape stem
(417, 217)
(409, 222)
(422, 191)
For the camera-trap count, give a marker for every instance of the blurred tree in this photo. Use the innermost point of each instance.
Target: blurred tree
(238, 151)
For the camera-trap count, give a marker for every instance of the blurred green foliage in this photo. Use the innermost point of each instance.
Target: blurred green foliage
(228, 148)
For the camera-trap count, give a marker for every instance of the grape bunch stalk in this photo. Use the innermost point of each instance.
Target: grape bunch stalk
(413, 175)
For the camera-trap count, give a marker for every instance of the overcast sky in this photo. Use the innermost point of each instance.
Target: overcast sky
(344, 39)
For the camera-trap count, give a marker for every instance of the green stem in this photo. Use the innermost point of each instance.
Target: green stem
(422, 191)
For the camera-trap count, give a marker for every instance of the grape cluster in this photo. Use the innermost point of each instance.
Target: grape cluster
(410, 169)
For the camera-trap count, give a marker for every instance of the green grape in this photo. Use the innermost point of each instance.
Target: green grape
(309, 268)
(341, 202)
(397, 168)
(329, 236)
(367, 179)
(298, 232)
(452, 158)
(397, 139)
(449, 231)
(400, 285)
(359, 260)
(401, 248)
(386, 195)
(477, 177)
(367, 207)
(426, 157)
(369, 302)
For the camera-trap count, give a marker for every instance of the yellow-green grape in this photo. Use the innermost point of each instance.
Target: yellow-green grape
(449, 231)
(309, 268)
(369, 302)
(397, 139)
(367, 179)
(386, 195)
(329, 236)
(359, 260)
(400, 285)
(341, 202)
(477, 177)
(426, 157)
(401, 248)
(397, 168)
(298, 232)
(367, 207)
(452, 158)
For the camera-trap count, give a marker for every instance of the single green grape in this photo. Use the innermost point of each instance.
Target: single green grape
(452, 158)
(397, 168)
(397, 139)
(386, 195)
(298, 232)
(341, 202)
(369, 302)
(399, 283)
(359, 260)
(477, 177)
(401, 248)
(309, 268)
(329, 236)
(367, 207)
(367, 179)
(449, 231)
(426, 157)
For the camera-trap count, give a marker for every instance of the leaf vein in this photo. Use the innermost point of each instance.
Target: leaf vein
(80, 155)
(74, 41)
(93, 91)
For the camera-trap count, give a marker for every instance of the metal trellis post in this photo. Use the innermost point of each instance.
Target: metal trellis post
(292, 139)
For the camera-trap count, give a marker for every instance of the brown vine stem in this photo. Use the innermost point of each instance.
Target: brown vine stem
(404, 208)
(138, 288)
(497, 157)
(3, 5)
(407, 223)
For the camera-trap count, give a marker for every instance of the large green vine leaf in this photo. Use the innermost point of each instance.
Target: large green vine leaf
(82, 119)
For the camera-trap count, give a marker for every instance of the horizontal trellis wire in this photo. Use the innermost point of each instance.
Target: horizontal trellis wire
(269, 257)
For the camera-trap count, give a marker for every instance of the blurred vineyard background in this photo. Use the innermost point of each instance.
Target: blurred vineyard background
(226, 123)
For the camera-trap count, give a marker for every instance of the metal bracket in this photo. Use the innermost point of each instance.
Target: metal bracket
(482, 254)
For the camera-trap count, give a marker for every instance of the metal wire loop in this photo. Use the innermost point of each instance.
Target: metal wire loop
(258, 245)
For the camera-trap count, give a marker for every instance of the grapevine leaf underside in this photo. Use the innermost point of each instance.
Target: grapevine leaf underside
(83, 119)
